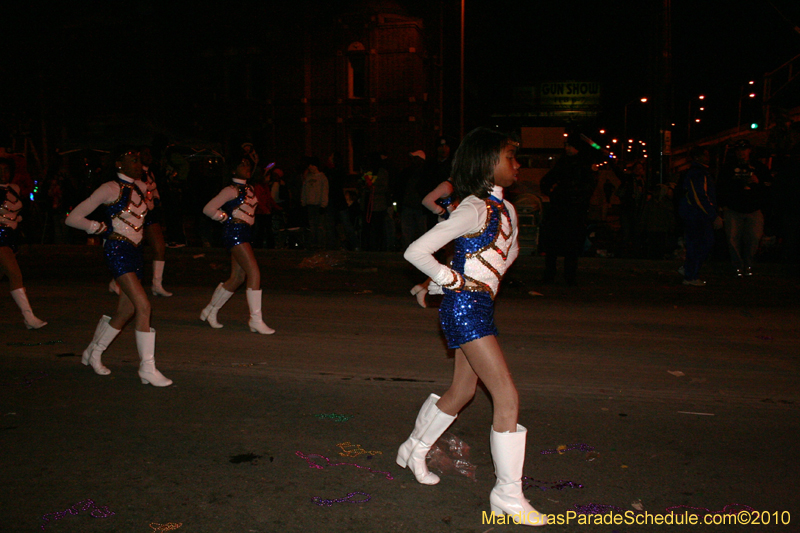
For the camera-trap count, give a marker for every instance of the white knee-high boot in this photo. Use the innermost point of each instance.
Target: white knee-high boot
(158, 275)
(146, 345)
(508, 454)
(430, 424)
(21, 298)
(256, 323)
(218, 299)
(424, 418)
(104, 334)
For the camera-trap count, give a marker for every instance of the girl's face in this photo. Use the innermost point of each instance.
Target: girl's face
(505, 171)
(244, 170)
(131, 165)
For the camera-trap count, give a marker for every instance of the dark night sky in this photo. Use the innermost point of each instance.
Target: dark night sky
(87, 53)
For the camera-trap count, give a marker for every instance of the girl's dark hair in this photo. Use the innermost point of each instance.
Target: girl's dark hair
(474, 162)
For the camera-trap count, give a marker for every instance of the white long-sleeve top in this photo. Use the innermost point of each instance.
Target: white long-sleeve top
(127, 223)
(10, 206)
(484, 267)
(246, 211)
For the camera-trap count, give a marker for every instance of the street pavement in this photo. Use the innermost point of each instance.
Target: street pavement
(640, 394)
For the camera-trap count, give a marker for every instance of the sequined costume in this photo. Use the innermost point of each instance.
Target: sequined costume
(10, 208)
(485, 234)
(235, 206)
(125, 213)
(153, 199)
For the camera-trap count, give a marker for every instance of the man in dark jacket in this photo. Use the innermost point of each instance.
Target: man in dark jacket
(741, 192)
(569, 185)
(698, 209)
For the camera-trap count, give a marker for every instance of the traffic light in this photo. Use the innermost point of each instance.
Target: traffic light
(754, 125)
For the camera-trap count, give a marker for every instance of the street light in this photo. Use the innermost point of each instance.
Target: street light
(689, 117)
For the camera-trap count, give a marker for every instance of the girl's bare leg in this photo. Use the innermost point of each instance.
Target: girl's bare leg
(155, 238)
(133, 301)
(245, 259)
(462, 389)
(10, 267)
(486, 360)
(237, 275)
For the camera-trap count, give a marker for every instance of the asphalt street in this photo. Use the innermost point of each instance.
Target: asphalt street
(641, 396)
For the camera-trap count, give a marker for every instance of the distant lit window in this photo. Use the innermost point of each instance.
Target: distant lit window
(356, 71)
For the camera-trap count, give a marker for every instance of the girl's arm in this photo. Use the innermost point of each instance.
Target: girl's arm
(513, 252)
(212, 208)
(443, 190)
(104, 194)
(465, 219)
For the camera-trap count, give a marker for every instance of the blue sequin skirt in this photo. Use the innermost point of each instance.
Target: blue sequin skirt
(8, 237)
(234, 234)
(466, 316)
(123, 257)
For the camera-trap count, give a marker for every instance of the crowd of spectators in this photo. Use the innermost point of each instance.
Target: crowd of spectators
(321, 205)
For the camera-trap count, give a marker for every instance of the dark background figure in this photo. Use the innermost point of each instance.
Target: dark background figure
(415, 185)
(698, 209)
(266, 209)
(741, 190)
(440, 170)
(337, 206)
(631, 192)
(787, 199)
(314, 199)
(377, 205)
(174, 176)
(569, 185)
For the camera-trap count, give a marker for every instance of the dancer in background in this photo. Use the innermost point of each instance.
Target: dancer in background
(153, 232)
(10, 207)
(440, 202)
(126, 209)
(484, 227)
(235, 207)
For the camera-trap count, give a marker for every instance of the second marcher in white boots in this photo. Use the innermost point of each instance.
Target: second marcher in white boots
(123, 198)
(484, 231)
(10, 207)
(21, 299)
(235, 207)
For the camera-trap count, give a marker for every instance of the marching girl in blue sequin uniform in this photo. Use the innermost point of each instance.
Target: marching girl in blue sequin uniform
(235, 207)
(153, 224)
(484, 227)
(440, 202)
(10, 207)
(124, 201)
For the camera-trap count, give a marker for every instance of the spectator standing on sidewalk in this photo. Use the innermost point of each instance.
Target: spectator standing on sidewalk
(698, 209)
(741, 190)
